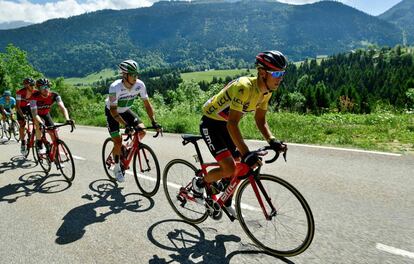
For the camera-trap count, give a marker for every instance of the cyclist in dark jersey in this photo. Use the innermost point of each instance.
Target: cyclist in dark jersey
(222, 113)
(40, 104)
(23, 108)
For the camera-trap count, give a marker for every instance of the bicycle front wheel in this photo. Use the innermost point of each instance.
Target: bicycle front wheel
(64, 161)
(15, 130)
(289, 228)
(176, 181)
(146, 170)
(6, 129)
(43, 160)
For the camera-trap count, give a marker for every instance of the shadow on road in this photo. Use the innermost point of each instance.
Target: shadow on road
(189, 244)
(16, 162)
(108, 197)
(31, 183)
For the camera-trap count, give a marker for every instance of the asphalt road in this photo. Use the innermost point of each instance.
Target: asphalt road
(363, 205)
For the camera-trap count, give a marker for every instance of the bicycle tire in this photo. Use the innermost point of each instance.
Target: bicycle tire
(43, 160)
(107, 154)
(15, 130)
(6, 129)
(63, 167)
(250, 211)
(176, 180)
(144, 172)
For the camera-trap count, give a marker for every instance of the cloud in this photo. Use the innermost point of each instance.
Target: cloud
(31, 12)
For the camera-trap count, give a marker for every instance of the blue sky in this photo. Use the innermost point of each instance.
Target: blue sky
(36, 11)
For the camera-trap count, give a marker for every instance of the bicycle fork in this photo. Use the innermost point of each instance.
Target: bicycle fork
(255, 182)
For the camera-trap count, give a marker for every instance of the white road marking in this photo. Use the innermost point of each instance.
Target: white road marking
(341, 149)
(395, 251)
(244, 206)
(78, 158)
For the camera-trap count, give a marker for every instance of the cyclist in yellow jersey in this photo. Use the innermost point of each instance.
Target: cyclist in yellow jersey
(222, 113)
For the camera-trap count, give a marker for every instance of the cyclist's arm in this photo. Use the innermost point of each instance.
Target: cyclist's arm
(18, 109)
(234, 131)
(113, 107)
(64, 110)
(3, 111)
(36, 117)
(150, 110)
(261, 123)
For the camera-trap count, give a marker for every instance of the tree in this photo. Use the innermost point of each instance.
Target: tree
(15, 67)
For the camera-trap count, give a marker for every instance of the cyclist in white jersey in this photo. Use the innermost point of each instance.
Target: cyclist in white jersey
(122, 94)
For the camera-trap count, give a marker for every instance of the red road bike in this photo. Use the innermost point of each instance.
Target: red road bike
(270, 210)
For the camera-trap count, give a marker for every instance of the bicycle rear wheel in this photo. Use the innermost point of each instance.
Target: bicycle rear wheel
(64, 160)
(176, 180)
(291, 227)
(107, 159)
(146, 170)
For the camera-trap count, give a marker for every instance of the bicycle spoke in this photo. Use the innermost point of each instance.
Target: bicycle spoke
(288, 232)
(176, 178)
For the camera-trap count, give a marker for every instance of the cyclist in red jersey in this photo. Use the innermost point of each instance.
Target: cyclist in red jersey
(40, 104)
(23, 108)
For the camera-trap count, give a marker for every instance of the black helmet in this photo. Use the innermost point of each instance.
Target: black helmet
(42, 82)
(271, 60)
(29, 80)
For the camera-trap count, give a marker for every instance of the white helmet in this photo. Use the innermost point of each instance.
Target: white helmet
(128, 66)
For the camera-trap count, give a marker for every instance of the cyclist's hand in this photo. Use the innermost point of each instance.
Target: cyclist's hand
(156, 125)
(252, 159)
(129, 129)
(70, 122)
(277, 145)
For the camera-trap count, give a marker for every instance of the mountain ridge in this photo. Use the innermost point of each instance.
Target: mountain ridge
(196, 36)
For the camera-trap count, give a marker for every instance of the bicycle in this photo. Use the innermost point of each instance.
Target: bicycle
(10, 128)
(267, 211)
(146, 168)
(57, 152)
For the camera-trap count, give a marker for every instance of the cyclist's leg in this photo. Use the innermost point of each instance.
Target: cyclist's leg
(49, 122)
(22, 124)
(113, 128)
(221, 146)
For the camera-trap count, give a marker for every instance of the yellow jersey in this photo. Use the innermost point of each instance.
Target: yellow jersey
(242, 95)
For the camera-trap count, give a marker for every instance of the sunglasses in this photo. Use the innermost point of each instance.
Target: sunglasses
(133, 74)
(44, 87)
(276, 74)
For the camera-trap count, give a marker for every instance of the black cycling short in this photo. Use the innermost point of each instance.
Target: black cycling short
(217, 138)
(113, 126)
(47, 119)
(26, 111)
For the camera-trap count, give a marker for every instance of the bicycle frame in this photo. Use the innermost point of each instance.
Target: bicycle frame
(243, 171)
(54, 150)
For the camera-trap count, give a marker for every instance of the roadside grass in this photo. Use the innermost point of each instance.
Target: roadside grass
(91, 78)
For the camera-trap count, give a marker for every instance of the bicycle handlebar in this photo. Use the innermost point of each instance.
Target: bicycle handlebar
(264, 150)
(71, 124)
(138, 129)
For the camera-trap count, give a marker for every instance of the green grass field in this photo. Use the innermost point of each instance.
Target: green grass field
(91, 78)
(208, 75)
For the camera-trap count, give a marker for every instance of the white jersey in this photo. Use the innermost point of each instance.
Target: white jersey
(122, 97)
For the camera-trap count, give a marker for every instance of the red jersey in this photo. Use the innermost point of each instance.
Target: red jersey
(43, 104)
(21, 95)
